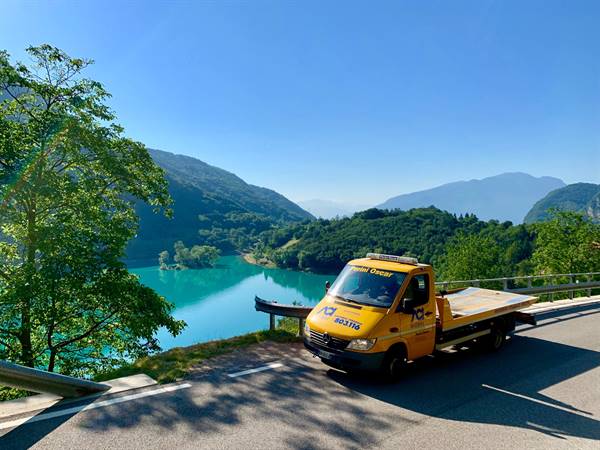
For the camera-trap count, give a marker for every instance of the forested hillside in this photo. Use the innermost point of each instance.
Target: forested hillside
(326, 245)
(209, 199)
(577, 197)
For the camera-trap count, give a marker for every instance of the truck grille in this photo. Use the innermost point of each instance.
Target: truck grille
(333, 342)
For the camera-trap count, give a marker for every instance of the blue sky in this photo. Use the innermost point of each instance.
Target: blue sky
(343, 100)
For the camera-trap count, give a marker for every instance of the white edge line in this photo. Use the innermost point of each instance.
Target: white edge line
(76, 409)
(258, 369)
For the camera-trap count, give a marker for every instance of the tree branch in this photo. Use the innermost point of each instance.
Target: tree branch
(95, 327)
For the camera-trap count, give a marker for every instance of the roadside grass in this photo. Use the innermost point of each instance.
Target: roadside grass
(173, 364)
(7, 393)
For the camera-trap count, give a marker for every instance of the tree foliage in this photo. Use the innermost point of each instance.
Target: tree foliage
(68, 179)
(234, 231)
(567, 243)
(326, 245)
(471, 256)
(197, 257)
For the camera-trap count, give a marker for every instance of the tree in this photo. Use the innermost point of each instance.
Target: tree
(163, 259)
(471, 256)
(199, 256)
(69, 178)
(566, 244)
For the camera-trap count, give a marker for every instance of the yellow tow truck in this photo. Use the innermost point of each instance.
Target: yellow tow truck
(383, 311)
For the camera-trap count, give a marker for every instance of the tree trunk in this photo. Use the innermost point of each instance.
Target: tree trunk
(25, 334)
(52, 360)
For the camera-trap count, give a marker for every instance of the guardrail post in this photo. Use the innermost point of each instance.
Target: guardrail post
(589, 291)
(476, 283)
(571, 291)
(505, 284)
(271, 322)
(300, 327)
(529, 283)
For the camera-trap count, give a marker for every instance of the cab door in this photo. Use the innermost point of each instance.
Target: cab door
(416, 312)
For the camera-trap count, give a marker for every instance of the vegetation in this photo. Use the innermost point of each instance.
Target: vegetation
(220, 204)
(325, 245)
(460, 248)
(174, 364)
(68, 178)
(567, 243)
(197, 257)
(235, 231)
(579, 197)
(472, 256)
(7, 393)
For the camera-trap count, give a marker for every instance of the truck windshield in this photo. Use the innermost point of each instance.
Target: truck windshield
(367, 285)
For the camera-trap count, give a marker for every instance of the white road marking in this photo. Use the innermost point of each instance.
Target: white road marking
(258, 369)
(76, 409)
(535, 400)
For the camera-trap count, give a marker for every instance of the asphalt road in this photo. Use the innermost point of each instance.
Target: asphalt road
(541, 391)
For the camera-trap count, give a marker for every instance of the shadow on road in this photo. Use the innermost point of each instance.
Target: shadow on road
(300, 406)
(445, 387)
(448, 386)
(32, 431)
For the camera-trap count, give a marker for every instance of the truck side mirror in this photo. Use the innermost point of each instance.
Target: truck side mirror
(327, 286)
(407, 304)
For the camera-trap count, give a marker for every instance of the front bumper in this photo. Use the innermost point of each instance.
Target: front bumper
(345, 359)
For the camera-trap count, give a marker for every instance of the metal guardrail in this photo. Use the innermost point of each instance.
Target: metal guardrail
(301, 312)
(276, 309)
(35, 380)
(568, 287)
(573, 285)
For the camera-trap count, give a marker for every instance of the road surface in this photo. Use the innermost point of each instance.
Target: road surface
(542, 391)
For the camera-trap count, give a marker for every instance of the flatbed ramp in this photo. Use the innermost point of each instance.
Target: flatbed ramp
(475, 304)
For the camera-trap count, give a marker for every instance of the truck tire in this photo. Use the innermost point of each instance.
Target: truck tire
(394, 364)
(496, 339)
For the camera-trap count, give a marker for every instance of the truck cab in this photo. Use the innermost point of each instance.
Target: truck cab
(382, 311)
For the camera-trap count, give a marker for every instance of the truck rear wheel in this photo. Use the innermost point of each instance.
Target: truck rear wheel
(394, 364)
(495, 340)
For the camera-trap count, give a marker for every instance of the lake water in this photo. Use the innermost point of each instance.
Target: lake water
(219, 302)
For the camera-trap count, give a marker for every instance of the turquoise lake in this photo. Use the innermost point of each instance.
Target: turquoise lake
(219, 302)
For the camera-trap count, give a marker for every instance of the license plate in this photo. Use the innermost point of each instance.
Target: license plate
(326, 355)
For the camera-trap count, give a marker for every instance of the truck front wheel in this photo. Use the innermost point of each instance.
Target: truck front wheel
(394, 364)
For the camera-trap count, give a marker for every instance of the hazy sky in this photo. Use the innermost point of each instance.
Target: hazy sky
(350, 101)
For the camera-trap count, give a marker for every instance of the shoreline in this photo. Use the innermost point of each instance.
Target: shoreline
(263, 262)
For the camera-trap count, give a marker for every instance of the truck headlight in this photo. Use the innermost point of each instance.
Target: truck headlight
(361, 344)
(306, 330)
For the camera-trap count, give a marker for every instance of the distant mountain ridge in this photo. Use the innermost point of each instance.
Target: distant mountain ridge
(327, 209)
(198, 188)
(508, 196)
(579, 197)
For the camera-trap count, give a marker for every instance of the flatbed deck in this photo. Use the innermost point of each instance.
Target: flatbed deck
(473, 304)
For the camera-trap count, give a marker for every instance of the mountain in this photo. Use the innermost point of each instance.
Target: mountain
(327, 209)
(581, 197)
(198, 189)
(507, 196)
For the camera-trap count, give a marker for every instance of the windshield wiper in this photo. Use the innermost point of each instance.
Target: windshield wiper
(347, 299)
